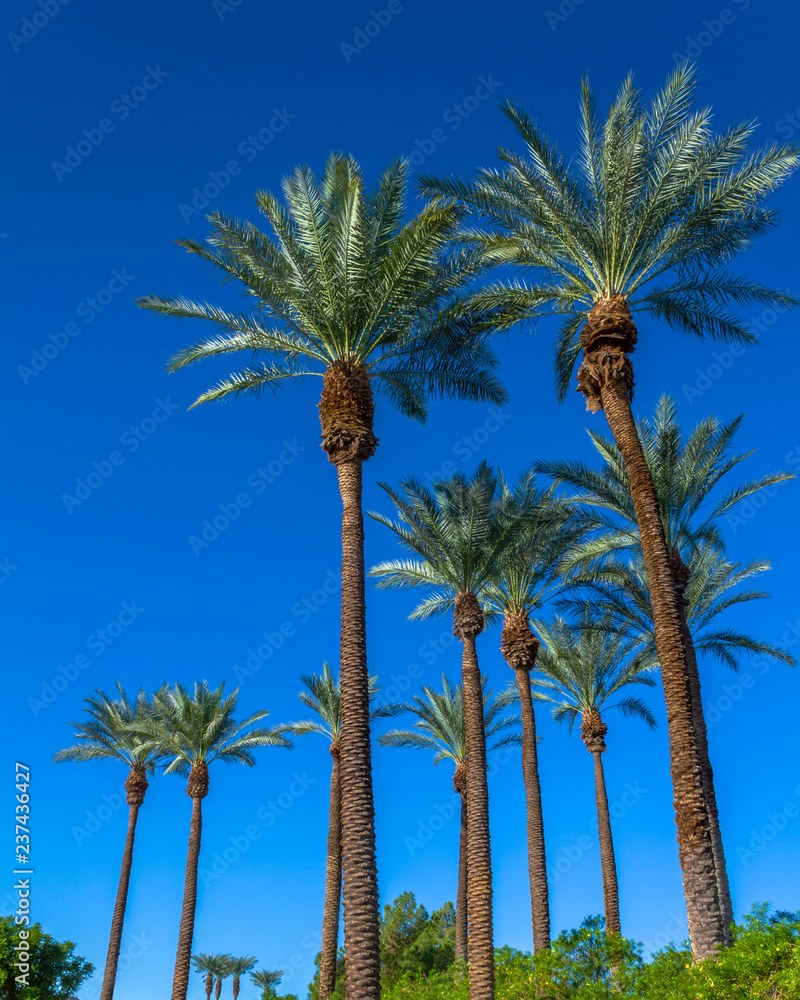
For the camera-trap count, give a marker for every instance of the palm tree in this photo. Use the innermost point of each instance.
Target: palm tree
(237, 968)
(192, 731)
(206, 965)
(267, 981)
(620, 592)
(523, 578)
(346, 291)
(657, 206)
(442, 728)
(324, 697)
(108, 736)
(584, 667)
(453, 529)
(684, 472)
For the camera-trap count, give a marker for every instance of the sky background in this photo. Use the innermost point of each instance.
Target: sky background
(79, 244)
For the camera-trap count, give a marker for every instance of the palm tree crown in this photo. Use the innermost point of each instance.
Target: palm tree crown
(658, 205)
(343, 281)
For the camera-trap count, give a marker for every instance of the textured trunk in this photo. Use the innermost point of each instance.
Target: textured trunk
(537, 864)
(480, 949)
(136, 786)
(607, 860)
(358, 814)
(519, 647)
(180, 982)
(115, 938)
(606, 378)
(236, 987)
(701, 735)
(209, 986)
(333, 887)
(218, 990)
(461, 898)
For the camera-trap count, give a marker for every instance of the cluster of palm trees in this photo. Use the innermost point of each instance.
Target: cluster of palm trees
(216, 968)
(343, 288)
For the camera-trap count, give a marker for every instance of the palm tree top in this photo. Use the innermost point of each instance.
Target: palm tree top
(267, 978)
(651, 213)
(586, 664)
(441, 724)
(110, 732)
(454, 529)
(341, 279)
(212, 965)
(685, 471)
(323, 696)
(239, 965)
(199, 727)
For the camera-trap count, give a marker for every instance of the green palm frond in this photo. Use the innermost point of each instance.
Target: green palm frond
(656, 206)
(340, 276)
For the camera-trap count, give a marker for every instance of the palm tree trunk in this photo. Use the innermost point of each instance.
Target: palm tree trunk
(707, 772)
(218, 990)
(236, 987)
(607, 371)
(480, 947)
(180, 982)
(461, 897)
(333, 887)
(607, 859)
(209, 986)
(537, 864)
(115, 938)
(358, 813)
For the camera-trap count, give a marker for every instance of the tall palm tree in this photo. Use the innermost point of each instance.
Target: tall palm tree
(267, 981)
(324, 697)
(525, 575)
(453, 529)
(108, 736)
(191, 731)
(620, 592)
(207, 966)
(238, 966)
(441, 727)
(346, 291)
(646, 223)
(685, 472)
(584, 667)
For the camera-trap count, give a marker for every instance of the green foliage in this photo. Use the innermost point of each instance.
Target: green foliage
(414, 942)
(56, 972)
(586, 964)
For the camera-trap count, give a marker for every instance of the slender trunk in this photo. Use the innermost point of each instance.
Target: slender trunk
(607, 860)
(537, 864)
(707, 773)
(115, 938)
(218, 990)
(180, 982)
(358, 814)
(461, 897)
(333, 887)
(209, 986)
(606, 378)
(479, 856)
(236, 987)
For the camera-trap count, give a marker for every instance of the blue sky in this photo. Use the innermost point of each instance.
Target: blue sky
(165, 108)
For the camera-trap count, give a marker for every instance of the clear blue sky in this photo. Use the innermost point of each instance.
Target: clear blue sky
(155, 99)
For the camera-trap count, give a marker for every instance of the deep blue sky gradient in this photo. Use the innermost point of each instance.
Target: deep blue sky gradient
(78, 246)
